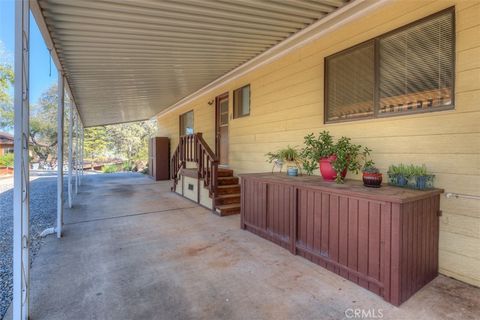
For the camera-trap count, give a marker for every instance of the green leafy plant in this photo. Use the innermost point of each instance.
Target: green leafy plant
(110, 168)
(348, 155)
(370, 169)
(411, 176)
(286, 155)
(7, 160)
(128, 166)
(314, 149)
(367, 161)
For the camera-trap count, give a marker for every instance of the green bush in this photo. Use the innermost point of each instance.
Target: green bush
(7, 160)
(111, 168)
(127, 166)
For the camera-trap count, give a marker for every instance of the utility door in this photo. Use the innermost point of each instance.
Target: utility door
(221, 119)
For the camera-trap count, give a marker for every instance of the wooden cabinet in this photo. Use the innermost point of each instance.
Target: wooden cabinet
(159, 158)
(385, 240)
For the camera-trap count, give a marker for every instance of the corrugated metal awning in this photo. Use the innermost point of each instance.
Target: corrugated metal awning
(128, 60)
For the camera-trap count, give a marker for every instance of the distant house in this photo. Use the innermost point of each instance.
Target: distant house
(6, 143)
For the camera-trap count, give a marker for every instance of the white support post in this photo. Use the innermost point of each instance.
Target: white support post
(60, 119)
(21, 210)
(77, 149)
(70, 132)
(81, 152)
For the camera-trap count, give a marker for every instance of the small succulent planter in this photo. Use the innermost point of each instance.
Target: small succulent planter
(422, 182)
(371, 177)
(412, 177)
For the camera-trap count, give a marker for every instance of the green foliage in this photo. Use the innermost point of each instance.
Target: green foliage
(6, 104)
(419, 171)
(367, 161)
(285, 155)
(397, 170)
(127, 141)
(410, 176)
(370, 169)
(408, 170)
(314, 149)
(111, 168)
(6, 80)
(96, 142)
(7, 160)
(128, 166)
(348, 155)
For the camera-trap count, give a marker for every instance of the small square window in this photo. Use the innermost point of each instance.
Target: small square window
(241, 102)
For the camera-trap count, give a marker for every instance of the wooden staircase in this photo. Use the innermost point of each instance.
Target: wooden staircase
(223, 186)
(227, 199)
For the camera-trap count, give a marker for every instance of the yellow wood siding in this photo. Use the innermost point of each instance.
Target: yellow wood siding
(287, 103)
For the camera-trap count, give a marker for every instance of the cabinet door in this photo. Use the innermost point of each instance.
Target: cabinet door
(343, 234)
(254, 205)
(279, 211)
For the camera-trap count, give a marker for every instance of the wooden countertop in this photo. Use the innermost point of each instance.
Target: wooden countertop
(350, 187)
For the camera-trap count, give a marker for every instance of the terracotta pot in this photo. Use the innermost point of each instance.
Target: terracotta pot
(372, 180)
(327, 170)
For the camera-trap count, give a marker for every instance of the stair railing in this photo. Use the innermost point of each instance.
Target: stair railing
(193, 148)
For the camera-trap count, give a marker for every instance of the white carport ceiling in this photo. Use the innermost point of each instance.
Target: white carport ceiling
(127, 60)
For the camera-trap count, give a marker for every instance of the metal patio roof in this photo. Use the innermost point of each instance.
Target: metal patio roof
(129, 60)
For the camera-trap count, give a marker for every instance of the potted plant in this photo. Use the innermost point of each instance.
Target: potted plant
(410, 176)
(332, 157)
(421, 179)
(371, 177)
(398, 175)
(289, 156)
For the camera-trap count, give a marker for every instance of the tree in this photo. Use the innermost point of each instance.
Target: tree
(96, 142)
(6, 105)
(43, 128)
(7, 160)
(130, 140)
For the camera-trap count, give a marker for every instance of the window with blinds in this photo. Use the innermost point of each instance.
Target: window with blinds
(241, 102)
(350, 83)
(412, 71)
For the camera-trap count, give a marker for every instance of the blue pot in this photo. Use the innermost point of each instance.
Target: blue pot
(401, 180)
(292, 171)
(421, 182)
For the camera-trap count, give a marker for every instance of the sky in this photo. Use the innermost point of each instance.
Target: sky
(41, 78)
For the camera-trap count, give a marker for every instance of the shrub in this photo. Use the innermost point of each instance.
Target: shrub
(7, 160)
(111, 168)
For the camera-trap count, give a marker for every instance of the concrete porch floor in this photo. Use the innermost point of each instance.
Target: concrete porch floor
(134, 250)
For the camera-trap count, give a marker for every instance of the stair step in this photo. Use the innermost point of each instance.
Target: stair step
(222, 172)
(223, 181)
(221, 190)
(228, 199)
(228, 209)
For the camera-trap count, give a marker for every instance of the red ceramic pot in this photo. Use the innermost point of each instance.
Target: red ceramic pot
(372, 180)
(327, 170)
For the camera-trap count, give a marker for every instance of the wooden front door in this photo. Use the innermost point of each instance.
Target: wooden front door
(221, 119)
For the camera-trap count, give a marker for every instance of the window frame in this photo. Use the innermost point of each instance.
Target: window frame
(376, 71)
(236, 114)
(180, 125)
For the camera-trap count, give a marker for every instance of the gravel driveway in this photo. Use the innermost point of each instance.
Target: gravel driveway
(43, 204)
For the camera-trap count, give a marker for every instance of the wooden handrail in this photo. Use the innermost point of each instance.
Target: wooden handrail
(193, 148)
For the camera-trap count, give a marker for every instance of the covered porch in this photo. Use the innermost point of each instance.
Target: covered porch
(132, 249)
